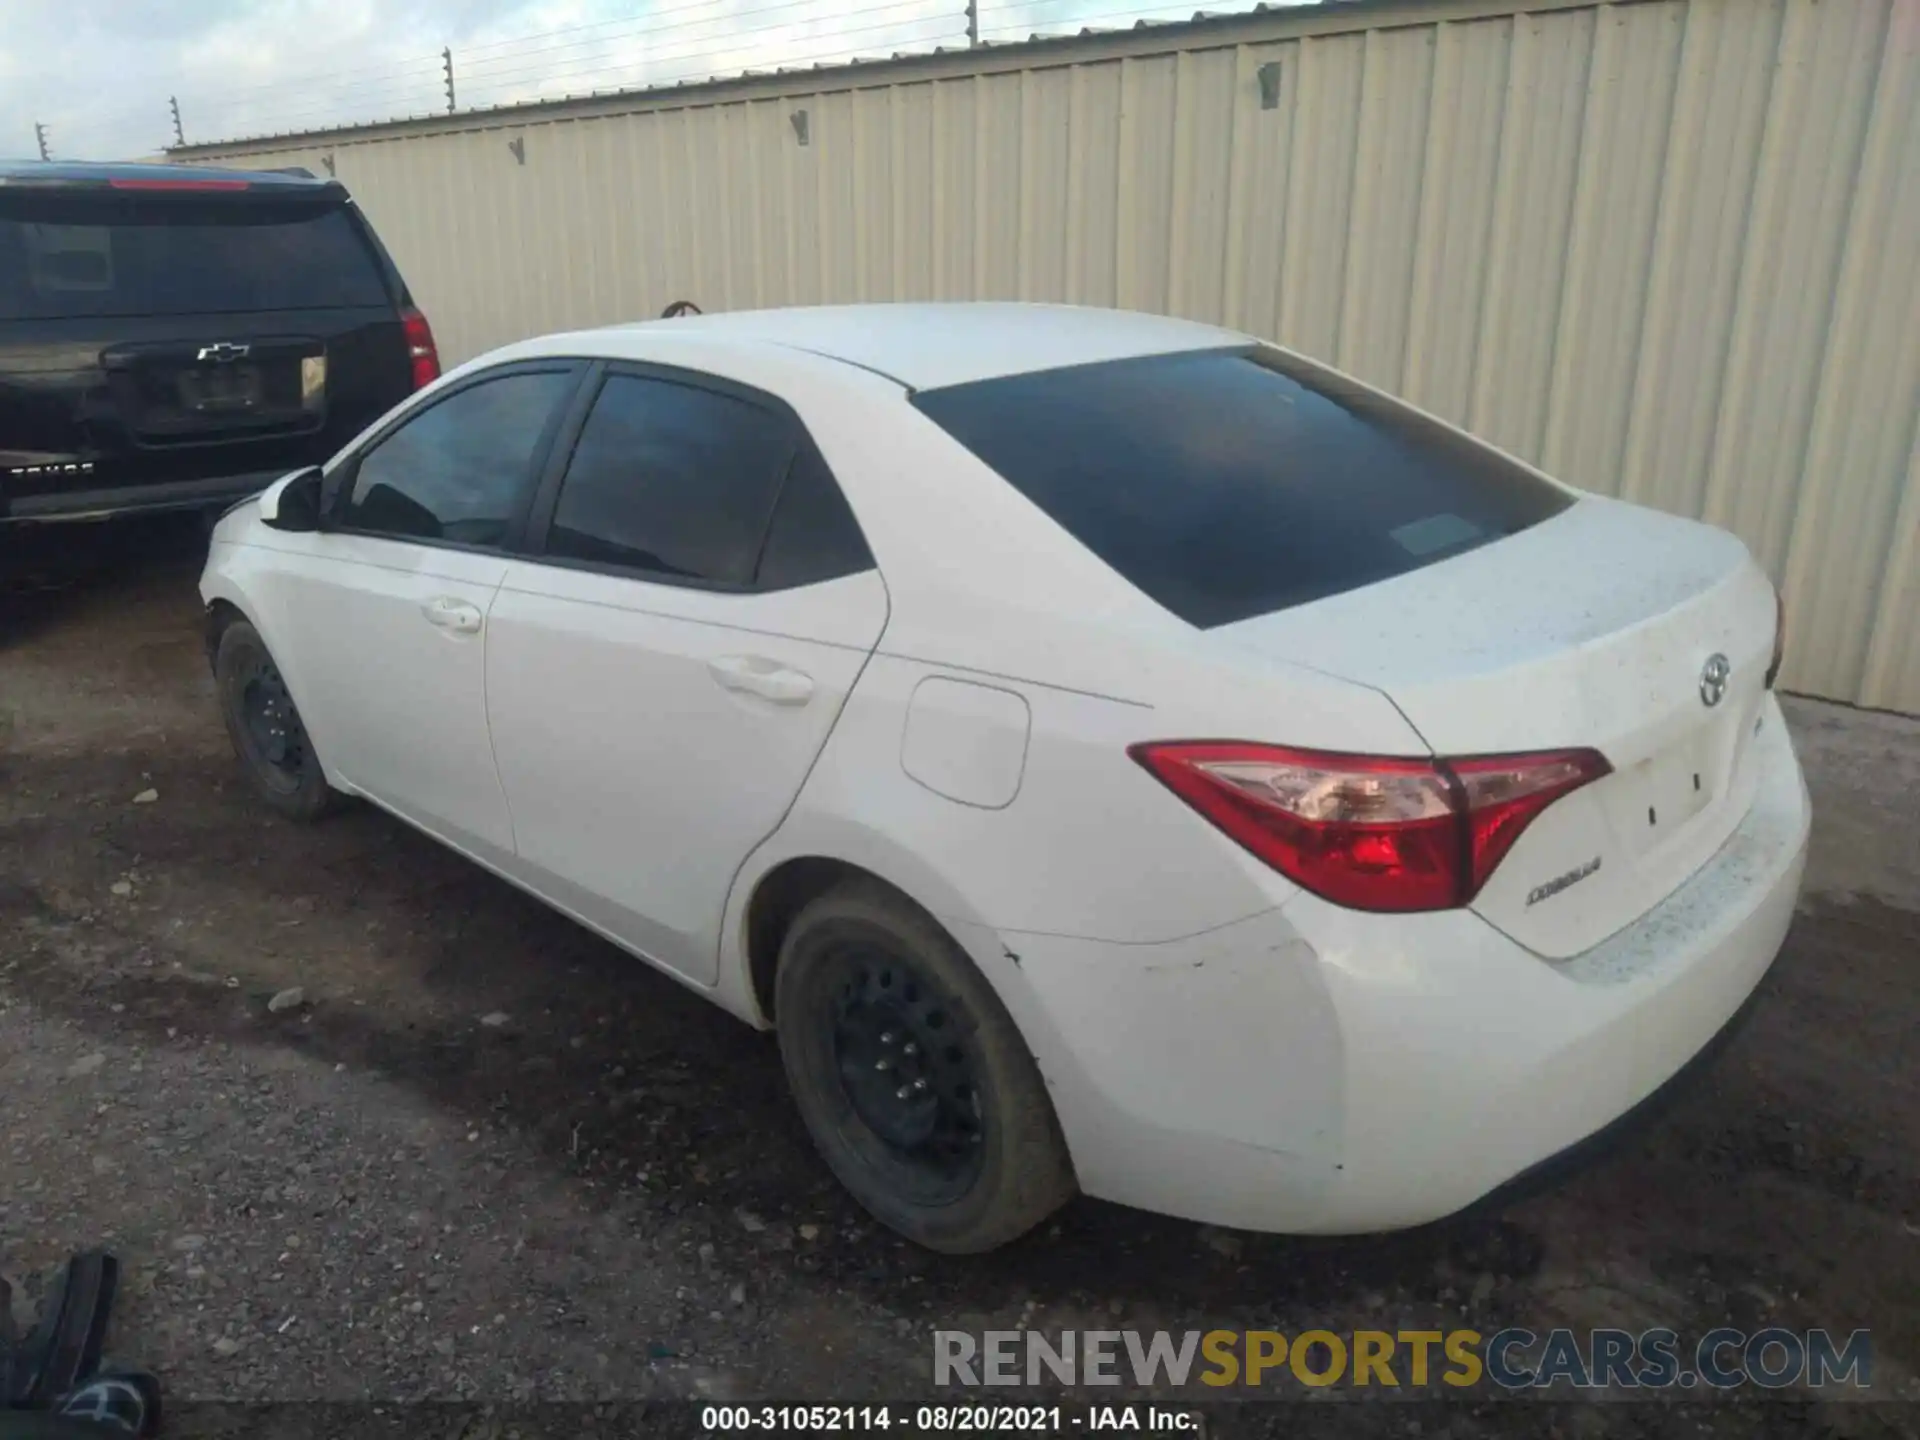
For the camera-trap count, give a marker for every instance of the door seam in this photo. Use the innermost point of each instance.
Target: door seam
(853, 686)
(486, 709)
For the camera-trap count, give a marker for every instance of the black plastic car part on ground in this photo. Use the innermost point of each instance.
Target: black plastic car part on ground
(173, 338)
(54, 1384)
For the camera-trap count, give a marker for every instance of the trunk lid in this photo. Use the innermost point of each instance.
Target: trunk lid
(1595, 628)
(148, 339)
(183, 392)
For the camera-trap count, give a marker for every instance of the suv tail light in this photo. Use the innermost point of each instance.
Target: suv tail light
(1370, 832)
(1779, 637)
(420, 347)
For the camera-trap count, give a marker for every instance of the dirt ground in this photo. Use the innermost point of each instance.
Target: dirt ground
(489, 1157)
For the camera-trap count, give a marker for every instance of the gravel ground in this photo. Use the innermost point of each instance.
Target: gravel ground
(481, 1155)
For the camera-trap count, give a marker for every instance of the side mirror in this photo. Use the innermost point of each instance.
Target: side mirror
(293, 501)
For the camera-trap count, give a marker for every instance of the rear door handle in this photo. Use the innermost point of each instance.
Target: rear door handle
(450, 614)
(769, 679)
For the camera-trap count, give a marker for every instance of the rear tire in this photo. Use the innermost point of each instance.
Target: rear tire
(266, 729)
(911, 1077)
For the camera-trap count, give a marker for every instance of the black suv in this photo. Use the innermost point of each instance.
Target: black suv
(173, 337)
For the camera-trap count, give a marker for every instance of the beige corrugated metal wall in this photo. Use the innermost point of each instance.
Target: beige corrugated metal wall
(1668, 250)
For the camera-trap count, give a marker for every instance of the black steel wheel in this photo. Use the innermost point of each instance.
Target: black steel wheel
(911, 1077)
(907, 1071)
(266, 728)
(276, 741)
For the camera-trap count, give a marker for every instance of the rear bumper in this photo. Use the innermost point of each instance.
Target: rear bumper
(1314, 1069)
(136, 499)
(1622, 1130)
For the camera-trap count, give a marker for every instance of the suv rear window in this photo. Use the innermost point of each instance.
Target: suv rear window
(1225, 487)
(82, 257)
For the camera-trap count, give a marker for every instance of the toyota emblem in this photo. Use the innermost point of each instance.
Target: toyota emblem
(1713, 680)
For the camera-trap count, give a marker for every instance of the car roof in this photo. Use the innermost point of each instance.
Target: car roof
(105, 174)
(927, 346)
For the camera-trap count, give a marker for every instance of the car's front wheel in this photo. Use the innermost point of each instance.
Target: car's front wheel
(911, 1077)
(265, 727)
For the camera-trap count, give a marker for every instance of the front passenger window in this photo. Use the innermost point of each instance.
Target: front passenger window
(460, 469)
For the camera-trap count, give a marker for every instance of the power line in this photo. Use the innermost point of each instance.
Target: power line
(327, 113)
(89, 131)
(784, 61)
(420, 70)
(117, 118)
(351, 101)
(669, 30)
(280, 123)
(374, 80)
(377, 93)
(389, 93)
(424, 64)
(1185, 14)
(990, 14)
(505, 70)
(331, 118)
(653, 55)
(592, 25)
(647, 21)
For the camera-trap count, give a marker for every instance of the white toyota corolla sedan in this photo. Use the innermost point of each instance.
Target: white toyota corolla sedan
(1113, 753)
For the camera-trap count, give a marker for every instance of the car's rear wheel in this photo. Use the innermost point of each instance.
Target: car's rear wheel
(911, 1077)
(266, 728)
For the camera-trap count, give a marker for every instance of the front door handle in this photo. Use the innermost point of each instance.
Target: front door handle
(450, 614)
(769, 679)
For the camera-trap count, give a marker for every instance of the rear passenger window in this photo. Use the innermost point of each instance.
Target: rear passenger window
(673, 480)
(460, 469)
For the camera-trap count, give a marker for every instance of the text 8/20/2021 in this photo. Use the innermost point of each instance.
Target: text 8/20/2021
(843, 1418)
(965, 1419)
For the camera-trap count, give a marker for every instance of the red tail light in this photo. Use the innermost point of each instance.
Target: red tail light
(1779, 638)
(1370, 832)
(420, 347)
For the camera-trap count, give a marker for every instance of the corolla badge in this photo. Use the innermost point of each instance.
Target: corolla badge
(1713, 680)
(1560, 882)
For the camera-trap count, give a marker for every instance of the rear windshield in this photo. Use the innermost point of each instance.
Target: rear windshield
(66, 258)
(1224, 487)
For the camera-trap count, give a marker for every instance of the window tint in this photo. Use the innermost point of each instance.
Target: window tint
(459, 469)
(671, 479)
(1223, 487)
(93, 257)
(813, 536)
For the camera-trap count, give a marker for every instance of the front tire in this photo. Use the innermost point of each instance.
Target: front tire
(266, 729)
(911, 1077)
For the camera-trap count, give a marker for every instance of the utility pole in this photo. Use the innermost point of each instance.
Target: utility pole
(179, 135)
(446, 57)
(40, 134)
(973, 23)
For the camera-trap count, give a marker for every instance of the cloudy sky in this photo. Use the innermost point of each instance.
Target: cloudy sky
(99, 73)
